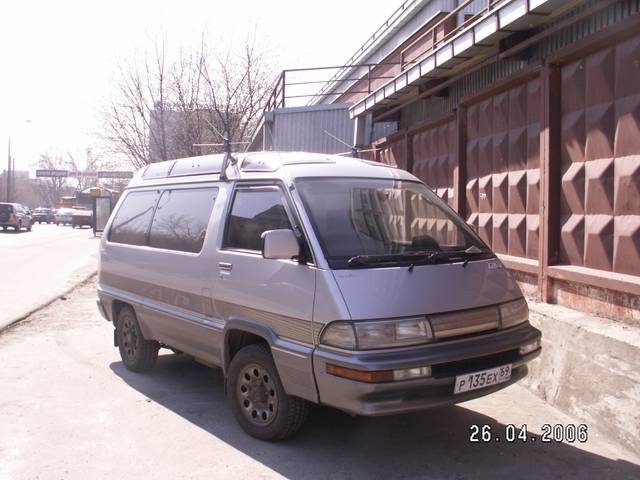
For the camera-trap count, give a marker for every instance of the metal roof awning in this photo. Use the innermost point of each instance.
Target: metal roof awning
(471, 44)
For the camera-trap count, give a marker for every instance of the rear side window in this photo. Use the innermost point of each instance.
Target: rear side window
(131, 223)
(254, 211)
(181, 219)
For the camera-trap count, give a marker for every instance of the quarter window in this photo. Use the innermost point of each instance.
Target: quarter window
(255, 211)
(181, 219)
(131, 223)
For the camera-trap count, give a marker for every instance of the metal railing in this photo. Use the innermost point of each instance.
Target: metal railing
(288, 88)
(436, 42)
(302, 86)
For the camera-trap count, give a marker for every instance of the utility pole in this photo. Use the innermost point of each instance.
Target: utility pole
(9, 172)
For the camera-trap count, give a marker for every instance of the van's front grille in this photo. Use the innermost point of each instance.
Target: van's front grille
(469, 365)
(465, 322)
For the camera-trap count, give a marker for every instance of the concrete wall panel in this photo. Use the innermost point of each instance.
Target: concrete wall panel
(600, 199)
(503, 177)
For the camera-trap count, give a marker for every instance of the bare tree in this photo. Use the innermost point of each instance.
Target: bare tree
(237, 85)
(140, 93)
(92, 163)
(163, 107)
(51, 189)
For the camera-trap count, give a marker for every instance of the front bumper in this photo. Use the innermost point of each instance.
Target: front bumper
(447, 360)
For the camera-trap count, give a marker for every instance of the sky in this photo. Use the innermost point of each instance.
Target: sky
(58, 57)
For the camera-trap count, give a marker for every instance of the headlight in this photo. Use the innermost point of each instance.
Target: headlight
(367, 335)
(513, 313)
(339, 334)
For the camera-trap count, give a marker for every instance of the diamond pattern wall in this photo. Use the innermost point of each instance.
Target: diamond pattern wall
(600, 184)
(503, 177)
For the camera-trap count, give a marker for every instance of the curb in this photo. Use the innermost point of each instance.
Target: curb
(13, 323)
(588, 369)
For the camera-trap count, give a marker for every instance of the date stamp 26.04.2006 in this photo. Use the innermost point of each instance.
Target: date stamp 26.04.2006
(509, 433)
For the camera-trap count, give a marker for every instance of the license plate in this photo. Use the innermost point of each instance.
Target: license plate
(485, 378)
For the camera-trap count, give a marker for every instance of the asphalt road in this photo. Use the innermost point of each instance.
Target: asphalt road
(70, 410)
(39, 266)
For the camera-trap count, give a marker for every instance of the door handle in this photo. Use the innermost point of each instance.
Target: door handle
(225, 266)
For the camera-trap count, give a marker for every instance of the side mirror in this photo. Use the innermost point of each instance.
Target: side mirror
(280, 244)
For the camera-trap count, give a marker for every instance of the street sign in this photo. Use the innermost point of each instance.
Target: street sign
(76, 174)
(52, 173)
(115, 174)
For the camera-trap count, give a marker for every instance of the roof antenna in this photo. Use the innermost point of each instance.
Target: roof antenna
(354, 150)
(226, 159)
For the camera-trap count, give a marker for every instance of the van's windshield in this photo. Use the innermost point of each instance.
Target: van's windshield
(368, 223)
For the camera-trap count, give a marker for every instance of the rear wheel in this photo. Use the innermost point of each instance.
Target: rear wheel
(258, 400)
(29, 227)
(137, 353)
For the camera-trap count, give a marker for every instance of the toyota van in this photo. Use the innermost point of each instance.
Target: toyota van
(310, 279)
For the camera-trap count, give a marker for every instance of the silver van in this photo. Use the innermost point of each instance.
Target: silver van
(310, 278)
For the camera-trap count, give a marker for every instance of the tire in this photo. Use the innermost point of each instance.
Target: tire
(29, 227)
(257, 397)
(138, 354)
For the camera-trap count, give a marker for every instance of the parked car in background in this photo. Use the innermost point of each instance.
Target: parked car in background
(81, 216)
(16, 216)
(43, 215)
(64, 216)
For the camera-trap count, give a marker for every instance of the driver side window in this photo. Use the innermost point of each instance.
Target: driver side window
(254, 211)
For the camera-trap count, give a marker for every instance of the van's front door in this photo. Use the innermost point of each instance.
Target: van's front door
(273, 294)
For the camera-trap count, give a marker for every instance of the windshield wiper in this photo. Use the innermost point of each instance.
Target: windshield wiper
(463, 255)
(411, 257)
(419, 257)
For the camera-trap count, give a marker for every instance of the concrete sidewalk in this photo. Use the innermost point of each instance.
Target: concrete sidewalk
(71, 410)
(589, 368)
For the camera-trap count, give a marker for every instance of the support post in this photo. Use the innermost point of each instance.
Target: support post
(408, 139)
(9, 171)
(460, 168)
(550, 162)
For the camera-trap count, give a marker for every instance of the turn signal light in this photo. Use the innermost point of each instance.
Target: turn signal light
(361, 375)
(379, 375)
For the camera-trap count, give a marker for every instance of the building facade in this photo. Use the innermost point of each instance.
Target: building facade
(523, 115)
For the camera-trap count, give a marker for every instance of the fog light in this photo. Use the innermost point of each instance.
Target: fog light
(530, 347)
(409, 373)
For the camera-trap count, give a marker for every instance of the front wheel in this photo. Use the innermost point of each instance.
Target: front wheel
(137, 353)
(258, 400)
